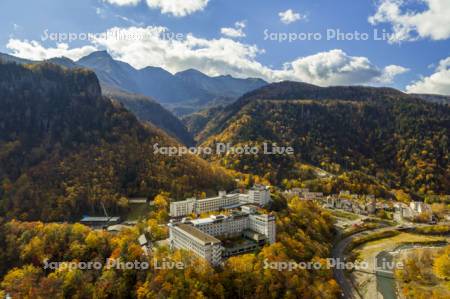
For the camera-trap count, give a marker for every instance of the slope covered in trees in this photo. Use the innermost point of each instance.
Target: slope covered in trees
(145, 108)
(148, 110)
(64, 148)
(304, 231)
(197, 121)
(386, 136)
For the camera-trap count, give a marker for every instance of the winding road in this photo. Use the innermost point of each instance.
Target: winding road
(338, 252)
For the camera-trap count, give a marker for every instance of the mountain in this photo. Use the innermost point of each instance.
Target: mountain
(288, 90)
(168, 89)
(109, 71)
(434, 98)
(197, 121)
(65, 149)
(379, 136)
(63, 61)
(9, 58)
(148, 110)
(220, 86)
(145, 108)
(186, 90)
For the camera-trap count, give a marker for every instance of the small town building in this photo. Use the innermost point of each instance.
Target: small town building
(99, 222)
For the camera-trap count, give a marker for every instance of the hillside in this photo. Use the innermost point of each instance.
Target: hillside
(145, 108)
(197, 121)
(65, 148)
(148, 110)
(288, 90)
(434, 98)
(376, 134)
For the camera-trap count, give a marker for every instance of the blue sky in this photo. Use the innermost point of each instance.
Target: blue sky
(417, 58)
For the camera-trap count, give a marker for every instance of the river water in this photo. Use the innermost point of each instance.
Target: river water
(386, 283)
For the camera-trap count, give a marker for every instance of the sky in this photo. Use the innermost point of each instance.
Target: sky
(398, 43)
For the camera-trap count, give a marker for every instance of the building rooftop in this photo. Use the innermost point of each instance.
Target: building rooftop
(253, 235)
(259, 188)
(142, 240)
(137, 200)
(218, 218)
(232, 206)
(198, 234)
(117, 227)
(202, 221)
(99, 219)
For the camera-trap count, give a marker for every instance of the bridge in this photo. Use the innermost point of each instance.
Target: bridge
(383, 273)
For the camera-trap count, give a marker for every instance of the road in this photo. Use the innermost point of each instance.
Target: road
(338, 252)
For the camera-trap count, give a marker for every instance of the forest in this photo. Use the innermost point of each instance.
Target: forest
(65, 149)
(383, 138)
(304, 230)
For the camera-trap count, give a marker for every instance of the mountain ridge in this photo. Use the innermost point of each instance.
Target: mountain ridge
(291, 90)
(186, 87)
(147, 109)
(400, 139)
(65, 149)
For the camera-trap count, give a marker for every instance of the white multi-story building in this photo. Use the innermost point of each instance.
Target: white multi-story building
(256, 227)
(264, 225)
(186, 236)
(220, 225)
(419, 207)
(182, 208)
(222, 201)
(257, 195)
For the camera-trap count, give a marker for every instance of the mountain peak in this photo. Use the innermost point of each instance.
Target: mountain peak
(188, 89)
(154, 69)
(64, 61)
(97, 55)
(191, 72)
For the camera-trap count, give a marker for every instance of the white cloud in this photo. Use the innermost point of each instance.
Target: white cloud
(407, 25)
(35, 51)
(100, 12)
(236, 31)
(219, 57)
(289, 16)
(241, 24)
(214, 56)
(123, 2)
(437, 83)
(390, 72)
(335, 67)
(129, 20)
(178, 8)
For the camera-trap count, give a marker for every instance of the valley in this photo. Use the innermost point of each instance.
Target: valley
(306, 174)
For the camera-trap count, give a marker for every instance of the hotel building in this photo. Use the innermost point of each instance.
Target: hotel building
(259, 195)
(188, 237)
(201, 236)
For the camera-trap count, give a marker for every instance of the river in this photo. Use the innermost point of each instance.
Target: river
(386, 285)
